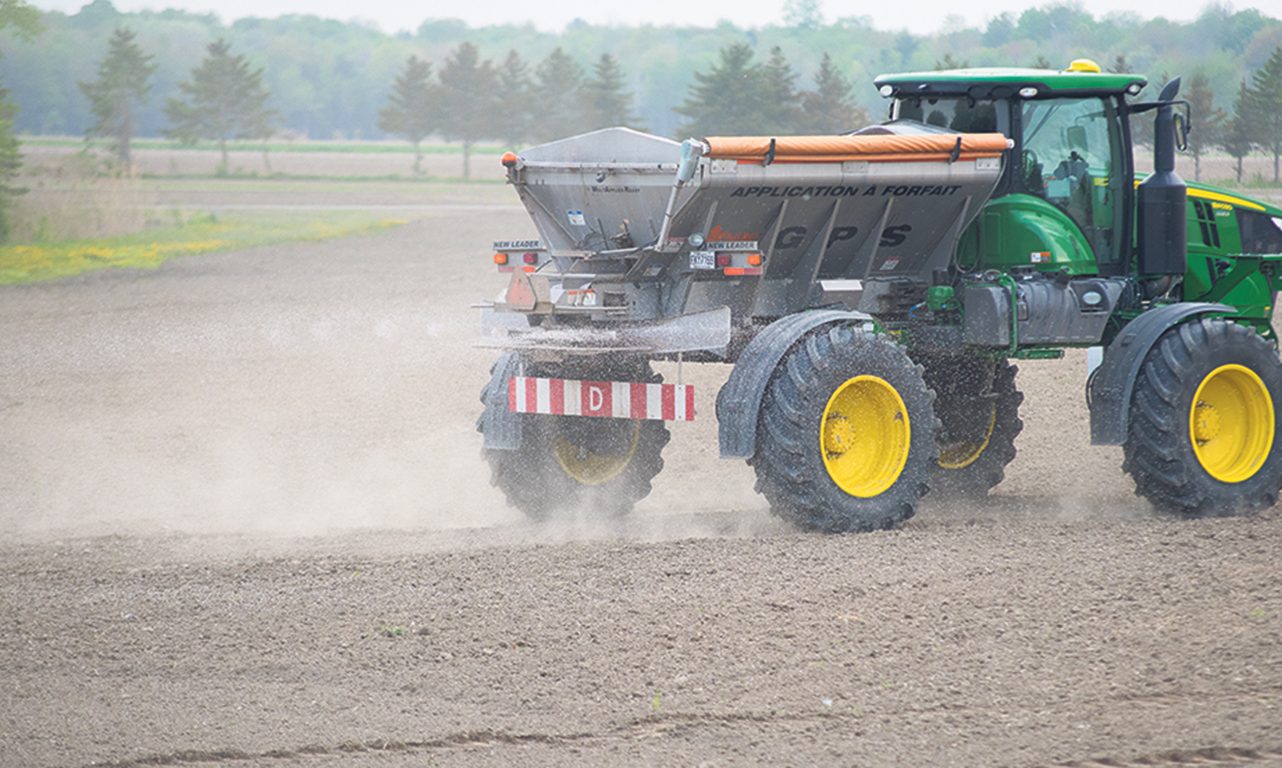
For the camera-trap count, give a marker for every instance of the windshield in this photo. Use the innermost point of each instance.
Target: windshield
(961, 114)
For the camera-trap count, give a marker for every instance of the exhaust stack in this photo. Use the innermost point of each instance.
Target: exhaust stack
(1163, 199)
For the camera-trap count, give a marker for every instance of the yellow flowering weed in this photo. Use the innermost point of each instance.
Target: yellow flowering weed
(149, 249)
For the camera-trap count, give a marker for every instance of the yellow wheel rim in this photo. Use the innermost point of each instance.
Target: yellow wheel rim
(1231, 423)
(588, 468)
(864, 436)
(962, 453)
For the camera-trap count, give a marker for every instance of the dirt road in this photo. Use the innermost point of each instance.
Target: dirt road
(245, 523)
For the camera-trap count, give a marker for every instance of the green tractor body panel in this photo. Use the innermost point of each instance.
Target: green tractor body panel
(1234, 253)
(1021, 230)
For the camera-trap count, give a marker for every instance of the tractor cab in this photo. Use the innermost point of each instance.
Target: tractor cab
(1070, 182)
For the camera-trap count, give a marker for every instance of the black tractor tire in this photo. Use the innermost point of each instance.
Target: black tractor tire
(1200, 440)
(977, 403)
(576, 463)
(798, 435)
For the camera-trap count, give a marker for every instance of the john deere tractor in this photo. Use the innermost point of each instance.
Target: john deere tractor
(873, 290)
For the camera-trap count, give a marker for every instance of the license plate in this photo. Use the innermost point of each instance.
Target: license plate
(703, 259)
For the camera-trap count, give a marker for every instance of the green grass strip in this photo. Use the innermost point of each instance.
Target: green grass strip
(149, 249)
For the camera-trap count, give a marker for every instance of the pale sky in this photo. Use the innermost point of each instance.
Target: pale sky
(396, 15)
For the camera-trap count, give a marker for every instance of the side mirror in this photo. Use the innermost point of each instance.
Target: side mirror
(1181, 126)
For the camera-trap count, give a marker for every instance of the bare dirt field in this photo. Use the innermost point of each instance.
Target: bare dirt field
(245, 522)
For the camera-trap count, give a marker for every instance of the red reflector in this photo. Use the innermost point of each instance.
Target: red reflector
(723, 259)
(530, 258)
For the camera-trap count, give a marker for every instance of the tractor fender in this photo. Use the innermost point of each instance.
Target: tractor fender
(739, 401)
(1109, 389)
(500, 427)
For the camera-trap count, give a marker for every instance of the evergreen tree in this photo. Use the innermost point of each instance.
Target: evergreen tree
(779, 98)
(949, 62)
(1120, 65)
(468, 87)
(10, 164)
(224, 99)
(24, 20)
(515, 105)
(1236, 139)
(411, 107)
(1207, 121)
(605, 101)
(121, 83)
(726, 99)
(558, 81)
(1265, 107)
(829, 107)
(1041, 62)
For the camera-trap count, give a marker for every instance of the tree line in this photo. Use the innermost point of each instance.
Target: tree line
(223, 99)
(472, 100)
(1254, 122)
(329, 79)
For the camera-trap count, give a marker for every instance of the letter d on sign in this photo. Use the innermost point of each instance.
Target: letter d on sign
(595, 398)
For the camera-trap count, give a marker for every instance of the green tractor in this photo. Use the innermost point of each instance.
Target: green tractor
(872, 291)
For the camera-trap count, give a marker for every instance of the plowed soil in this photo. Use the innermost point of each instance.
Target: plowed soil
(245, 522)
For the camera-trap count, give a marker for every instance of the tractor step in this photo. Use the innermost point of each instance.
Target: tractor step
(601, 399)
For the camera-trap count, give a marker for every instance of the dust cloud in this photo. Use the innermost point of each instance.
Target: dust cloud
(303, 389)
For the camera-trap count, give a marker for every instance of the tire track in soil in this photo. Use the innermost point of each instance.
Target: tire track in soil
(672, 724)
(640, 728)
(1206, 756)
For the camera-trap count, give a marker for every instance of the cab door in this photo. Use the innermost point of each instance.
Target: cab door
(1070, 154)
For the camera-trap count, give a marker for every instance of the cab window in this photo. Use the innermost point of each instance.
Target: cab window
(963, 115)
(1261, 233)
(1065, 141)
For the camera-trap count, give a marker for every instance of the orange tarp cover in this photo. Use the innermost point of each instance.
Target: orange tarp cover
(873, 149)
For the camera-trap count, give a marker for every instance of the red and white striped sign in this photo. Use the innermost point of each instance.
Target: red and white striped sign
(603, 399)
